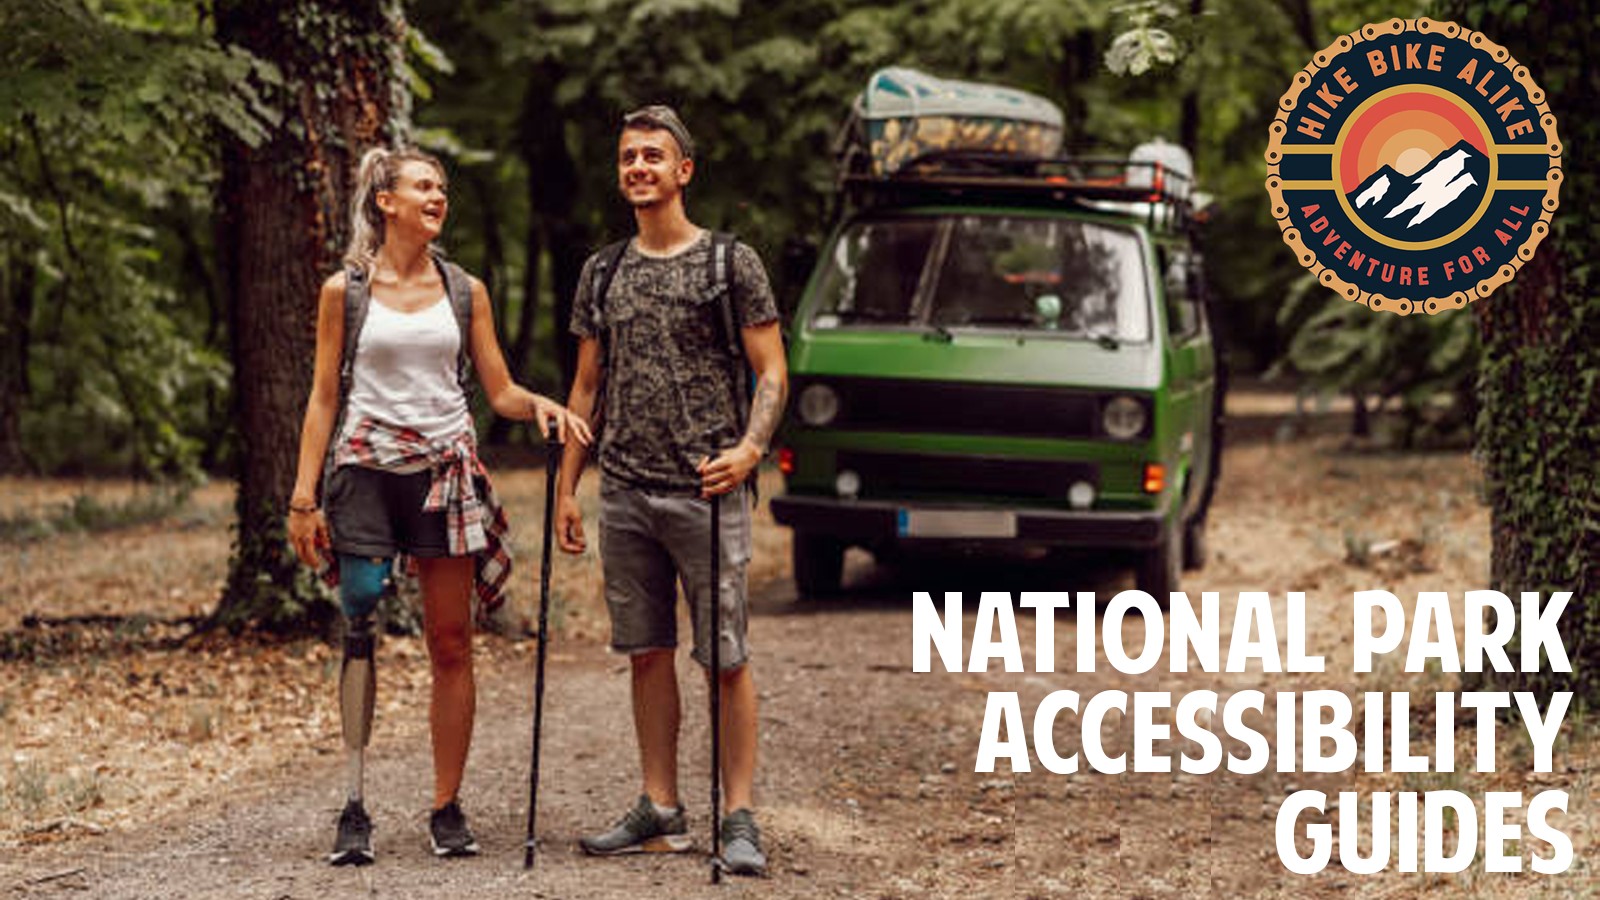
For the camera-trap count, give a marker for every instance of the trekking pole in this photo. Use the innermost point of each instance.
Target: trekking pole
(552, 464)
(716, 689)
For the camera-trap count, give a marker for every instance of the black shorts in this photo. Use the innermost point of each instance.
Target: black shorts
(379, 514)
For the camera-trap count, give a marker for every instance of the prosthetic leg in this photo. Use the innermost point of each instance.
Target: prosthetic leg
(361, 582)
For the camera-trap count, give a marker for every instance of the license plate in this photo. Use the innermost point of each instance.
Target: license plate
(957, 523)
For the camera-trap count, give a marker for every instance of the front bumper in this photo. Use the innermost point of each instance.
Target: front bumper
(877, 521)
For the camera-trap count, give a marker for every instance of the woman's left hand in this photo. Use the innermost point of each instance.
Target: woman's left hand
(568, 424)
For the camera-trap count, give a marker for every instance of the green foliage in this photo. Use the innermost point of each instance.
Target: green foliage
(107, 156)
(764, 87)
(1143, 45)
(269, 588)
(106, 116)
(1427, 363)
(85, 514)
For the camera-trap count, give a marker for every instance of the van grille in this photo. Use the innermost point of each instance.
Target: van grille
(891, 474)
(943, 407)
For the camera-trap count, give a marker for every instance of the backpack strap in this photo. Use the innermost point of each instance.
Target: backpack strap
(459, 289)
(357, 297)
(606, 264)
(743, 376)
(722, 244)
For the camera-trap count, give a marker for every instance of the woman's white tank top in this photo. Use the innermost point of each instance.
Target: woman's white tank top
(405, 371)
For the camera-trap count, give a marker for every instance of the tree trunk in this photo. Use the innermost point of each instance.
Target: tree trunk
(1189, 116)
(568, 244)
(281, 230)
(17, 285)
(1305, 23)
(1361, 416)
(493, 264)
(1539, 381)
(553, 186)
(1078, 66)
(486, 191)
(187, 225)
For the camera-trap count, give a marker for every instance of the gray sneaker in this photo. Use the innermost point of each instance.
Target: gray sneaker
(448, 830)
(642, 831)
(741, 844)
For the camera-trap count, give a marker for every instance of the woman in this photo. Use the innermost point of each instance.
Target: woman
(391, 425)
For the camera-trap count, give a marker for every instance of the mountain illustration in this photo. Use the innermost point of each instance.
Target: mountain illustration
(1373, 189)
(1428, 204)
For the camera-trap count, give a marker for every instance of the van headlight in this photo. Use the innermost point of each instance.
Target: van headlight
(1123, 417)
(819, 405)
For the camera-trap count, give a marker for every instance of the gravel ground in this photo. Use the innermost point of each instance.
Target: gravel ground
(865, 785)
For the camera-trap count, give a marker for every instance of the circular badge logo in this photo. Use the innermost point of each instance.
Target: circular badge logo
(1414, 166)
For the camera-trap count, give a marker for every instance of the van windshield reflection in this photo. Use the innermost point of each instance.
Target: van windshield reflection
(1044, 276)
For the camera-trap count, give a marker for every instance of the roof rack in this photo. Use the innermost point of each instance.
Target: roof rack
(1159, 192)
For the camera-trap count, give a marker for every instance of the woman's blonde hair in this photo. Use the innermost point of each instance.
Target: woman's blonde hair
(379, 171)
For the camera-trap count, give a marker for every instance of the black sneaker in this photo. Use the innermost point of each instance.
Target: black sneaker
(642, 830)
(447, 828)
(741, 844)
(353, 846)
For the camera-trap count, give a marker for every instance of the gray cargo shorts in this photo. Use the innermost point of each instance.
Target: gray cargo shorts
(648, 542)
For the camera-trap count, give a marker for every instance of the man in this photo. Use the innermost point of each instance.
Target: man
(650, 332)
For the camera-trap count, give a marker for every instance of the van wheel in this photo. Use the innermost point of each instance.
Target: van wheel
(818, 564)
(1161, 565)
(1194, 545)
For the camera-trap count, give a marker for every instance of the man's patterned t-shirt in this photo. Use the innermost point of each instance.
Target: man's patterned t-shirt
(669, 395)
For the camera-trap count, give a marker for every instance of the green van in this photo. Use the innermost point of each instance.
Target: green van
(1004, 351)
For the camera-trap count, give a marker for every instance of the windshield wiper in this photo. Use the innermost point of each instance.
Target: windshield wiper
(1029, 321)
(1105, 339)
(872, 315)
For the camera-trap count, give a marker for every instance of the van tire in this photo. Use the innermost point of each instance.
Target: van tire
(1160, 567)
(818, 564)
(1194, 545)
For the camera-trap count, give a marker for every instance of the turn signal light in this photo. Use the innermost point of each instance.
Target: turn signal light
(1155, 478)
(786, 460)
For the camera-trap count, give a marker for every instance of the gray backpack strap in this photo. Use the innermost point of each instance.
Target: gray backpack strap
(459, 289)
(357, 297)
(606, 264)
(722, 245)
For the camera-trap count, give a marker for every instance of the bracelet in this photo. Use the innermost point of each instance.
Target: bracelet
(304, 509)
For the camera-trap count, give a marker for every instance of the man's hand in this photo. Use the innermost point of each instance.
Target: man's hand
(569, 525)
(729, 469)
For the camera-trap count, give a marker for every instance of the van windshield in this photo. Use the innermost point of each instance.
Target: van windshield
(1052, 276)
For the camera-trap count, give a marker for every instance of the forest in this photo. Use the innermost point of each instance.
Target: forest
(175, 184)
(174, 175)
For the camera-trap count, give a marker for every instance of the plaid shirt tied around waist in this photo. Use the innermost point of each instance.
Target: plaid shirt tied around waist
(475, 522)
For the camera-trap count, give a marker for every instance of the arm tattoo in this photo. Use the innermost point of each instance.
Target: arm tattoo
(766, 408)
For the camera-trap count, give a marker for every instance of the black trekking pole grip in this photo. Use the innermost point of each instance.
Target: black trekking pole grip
(552, 465)
(716, 689)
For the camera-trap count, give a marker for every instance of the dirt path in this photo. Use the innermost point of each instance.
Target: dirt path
(866, 785)
(841, 715)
